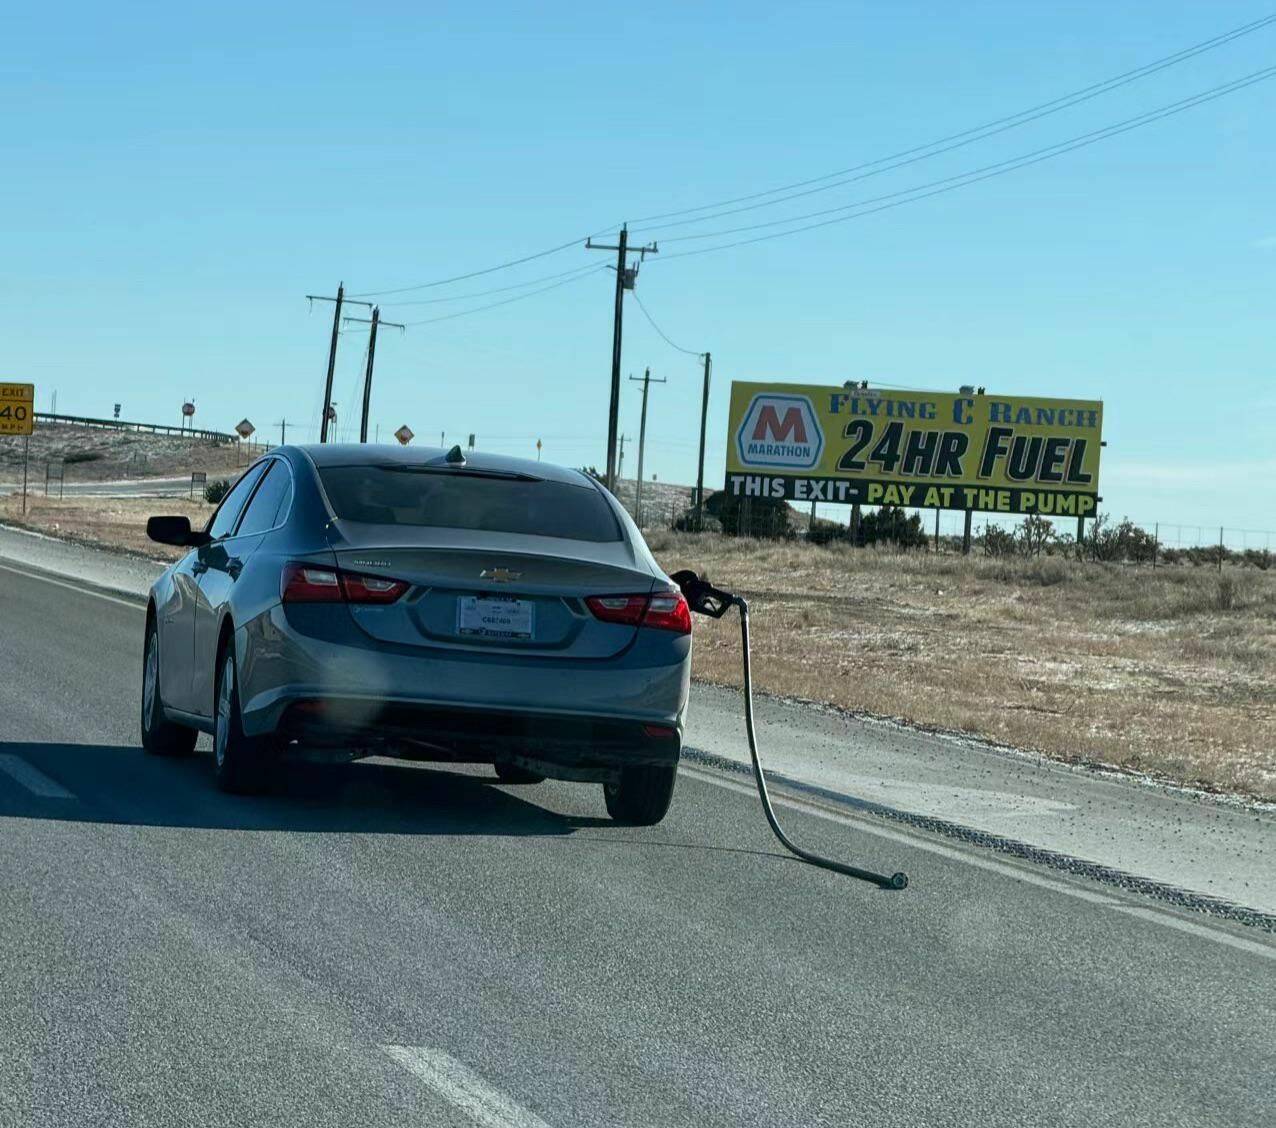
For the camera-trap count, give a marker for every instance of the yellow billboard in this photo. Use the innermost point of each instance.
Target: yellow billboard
(936, 450)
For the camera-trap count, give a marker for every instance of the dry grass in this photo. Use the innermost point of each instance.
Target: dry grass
(105, 522)
(1171, 672)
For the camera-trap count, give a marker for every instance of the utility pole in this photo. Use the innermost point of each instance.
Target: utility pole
(374, 321)
(339, 301)
(620, 471)
(283, 432)
(626, 276)
(704, 416)
(646, 383)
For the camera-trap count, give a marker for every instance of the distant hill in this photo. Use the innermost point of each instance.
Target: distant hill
(661, 501)
(100, 454)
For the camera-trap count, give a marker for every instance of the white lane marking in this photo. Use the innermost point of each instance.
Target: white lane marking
(917, 841)
(25, 532)
(137, 604)
(1204, 931)
(34, 780)
(462, 1088)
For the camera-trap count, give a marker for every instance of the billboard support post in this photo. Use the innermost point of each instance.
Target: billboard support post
(965, 534)
(1156, 542)
(937, 530)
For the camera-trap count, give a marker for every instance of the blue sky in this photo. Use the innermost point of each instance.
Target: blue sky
(178, 177)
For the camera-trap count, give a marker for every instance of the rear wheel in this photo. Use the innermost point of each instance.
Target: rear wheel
(642, 796)
(240, 763)
(160, 736)
(512, 773)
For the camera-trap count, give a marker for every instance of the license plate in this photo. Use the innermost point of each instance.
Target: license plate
(495, 618)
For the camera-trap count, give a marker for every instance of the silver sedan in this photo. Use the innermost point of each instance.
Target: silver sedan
(351, 600)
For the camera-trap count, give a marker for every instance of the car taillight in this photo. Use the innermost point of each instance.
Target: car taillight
(618, 608)
(668, 611)
(665, 611)
(371, 589)
(309, 583)
(304, 583)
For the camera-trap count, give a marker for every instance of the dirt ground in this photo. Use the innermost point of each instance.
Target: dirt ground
(117, 523)
(1170, 672)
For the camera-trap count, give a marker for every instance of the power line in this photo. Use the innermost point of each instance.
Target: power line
(506, 301)
(966, 136)
(495, 290)
(883, 164)
(974, 176)
(652, 321)
(487, 270)
(1018, 161)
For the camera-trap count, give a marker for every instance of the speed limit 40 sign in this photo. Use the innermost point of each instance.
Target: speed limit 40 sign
(17, 409)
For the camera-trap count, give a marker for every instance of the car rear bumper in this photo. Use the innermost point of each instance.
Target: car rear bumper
(567, 746)
(327, 684)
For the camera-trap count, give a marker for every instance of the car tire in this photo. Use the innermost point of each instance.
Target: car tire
(160, 736)
(240, 763)
(512, 773)
(642, 795)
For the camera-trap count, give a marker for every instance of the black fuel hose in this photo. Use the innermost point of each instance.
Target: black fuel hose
(705, 599)
(895, 881)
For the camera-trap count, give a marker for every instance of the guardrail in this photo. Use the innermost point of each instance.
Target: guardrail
(124, 425)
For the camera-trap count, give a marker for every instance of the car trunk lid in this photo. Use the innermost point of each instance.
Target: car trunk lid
(484, 592)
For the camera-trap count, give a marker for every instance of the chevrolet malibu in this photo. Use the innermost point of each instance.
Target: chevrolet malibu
(354, 600)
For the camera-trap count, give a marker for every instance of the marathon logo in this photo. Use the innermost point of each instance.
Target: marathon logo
(781, 431)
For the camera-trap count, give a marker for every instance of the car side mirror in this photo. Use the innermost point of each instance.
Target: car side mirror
(176, 531)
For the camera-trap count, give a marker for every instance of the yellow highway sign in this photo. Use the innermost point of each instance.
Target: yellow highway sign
(17, 409)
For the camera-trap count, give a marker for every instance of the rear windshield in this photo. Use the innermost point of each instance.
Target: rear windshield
(381, 495)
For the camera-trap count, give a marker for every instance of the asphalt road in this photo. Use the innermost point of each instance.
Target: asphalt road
(393, 945)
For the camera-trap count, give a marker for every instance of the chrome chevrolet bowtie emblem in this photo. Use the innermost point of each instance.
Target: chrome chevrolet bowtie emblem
(499, 575)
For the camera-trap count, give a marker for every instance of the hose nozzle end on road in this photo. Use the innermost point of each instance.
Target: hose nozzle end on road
(898, 881)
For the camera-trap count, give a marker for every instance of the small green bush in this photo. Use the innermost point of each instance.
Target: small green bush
(216, 490)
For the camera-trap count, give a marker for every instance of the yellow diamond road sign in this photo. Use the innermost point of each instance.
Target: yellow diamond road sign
(404, 434)
(17, 409)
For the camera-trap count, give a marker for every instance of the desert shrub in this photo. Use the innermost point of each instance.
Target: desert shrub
(686, 522)
(1124, 541)
(827, 532)
(216, 490)
(1257, 558)
(83, 456)
(1035, 535)
(1227, 595)
(890, 525)
(1048, 571)
(996, 541)
(751, 516)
